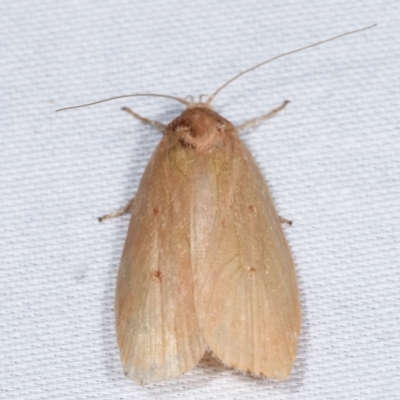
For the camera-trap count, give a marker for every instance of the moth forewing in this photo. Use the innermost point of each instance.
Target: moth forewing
(245, 290)
(156, 323)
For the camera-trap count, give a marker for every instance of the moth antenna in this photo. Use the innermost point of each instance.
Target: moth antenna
(201, 98)
(183, 101)
(211, 98)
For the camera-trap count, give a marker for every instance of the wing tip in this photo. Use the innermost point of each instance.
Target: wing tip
(278, 370)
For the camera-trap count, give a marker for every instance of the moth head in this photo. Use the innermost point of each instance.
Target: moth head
(200, 128)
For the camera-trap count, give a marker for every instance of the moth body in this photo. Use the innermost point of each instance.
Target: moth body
(205, 265)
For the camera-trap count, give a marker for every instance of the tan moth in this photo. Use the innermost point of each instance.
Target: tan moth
(205, 266)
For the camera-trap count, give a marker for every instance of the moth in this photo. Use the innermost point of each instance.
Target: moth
(205, 266)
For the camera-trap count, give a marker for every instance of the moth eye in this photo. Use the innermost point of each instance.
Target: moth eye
(182, 130)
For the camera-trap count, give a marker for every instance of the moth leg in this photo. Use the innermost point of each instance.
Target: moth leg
(119, 212)
(255, 121)
(158, 125)
(285, 221)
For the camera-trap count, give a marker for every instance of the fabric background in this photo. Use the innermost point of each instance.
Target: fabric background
(331, 159)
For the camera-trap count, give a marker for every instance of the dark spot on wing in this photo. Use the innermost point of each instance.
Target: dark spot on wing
(157, 276)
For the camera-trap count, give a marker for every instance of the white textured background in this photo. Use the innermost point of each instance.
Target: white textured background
(332, 160)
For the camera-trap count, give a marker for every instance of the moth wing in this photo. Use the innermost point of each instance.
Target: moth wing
(157, 329)
(246, 294)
